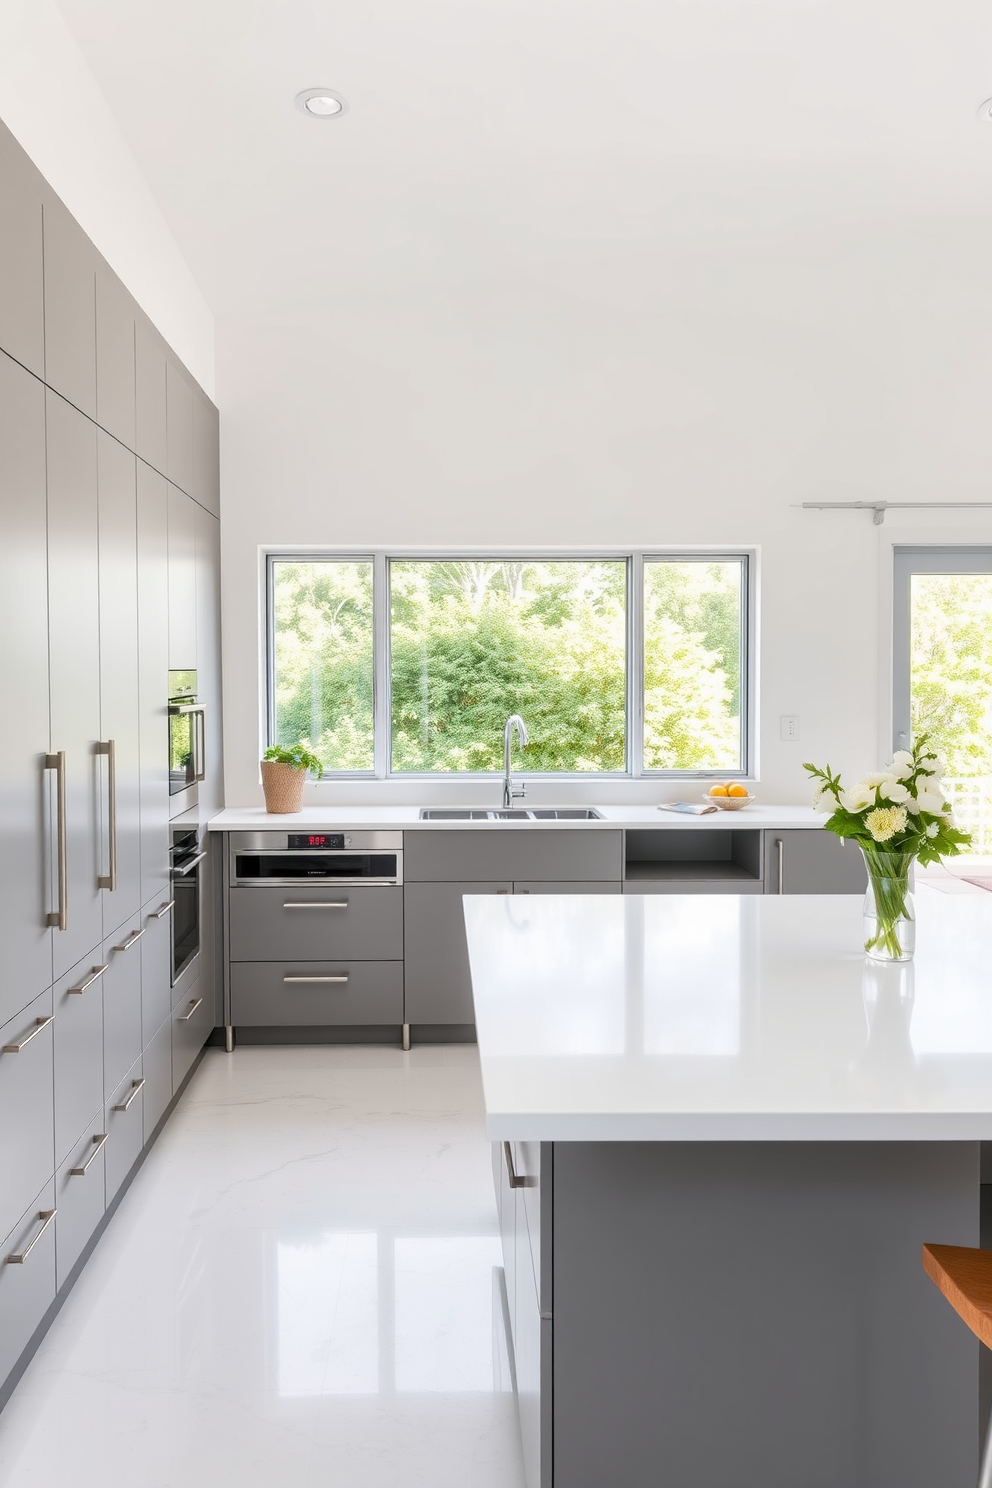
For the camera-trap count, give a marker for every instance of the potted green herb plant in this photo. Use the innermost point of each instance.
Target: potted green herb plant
(285, 768)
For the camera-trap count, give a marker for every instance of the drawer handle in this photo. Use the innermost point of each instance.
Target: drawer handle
(192, 1009)
(316, 904)
(80, 987)
(135, 1087)
(83, 1169)
(516, 1181)
(130, 940)
(46, 1215)
(162, 911)
(39, 1024)
(342, 978)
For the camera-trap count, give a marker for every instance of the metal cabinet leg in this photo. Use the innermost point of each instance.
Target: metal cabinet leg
(406, 1036)
(229, 1038)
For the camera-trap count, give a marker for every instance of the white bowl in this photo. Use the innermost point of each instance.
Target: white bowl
(728, 803)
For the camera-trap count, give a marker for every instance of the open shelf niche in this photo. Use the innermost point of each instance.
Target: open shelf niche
(673, 857)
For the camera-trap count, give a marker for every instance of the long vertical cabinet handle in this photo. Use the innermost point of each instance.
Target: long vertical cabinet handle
(108, 880)
(780, 852)
(60, 916)
(200, 724)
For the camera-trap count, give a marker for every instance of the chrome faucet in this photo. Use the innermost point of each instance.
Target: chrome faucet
(513, 722)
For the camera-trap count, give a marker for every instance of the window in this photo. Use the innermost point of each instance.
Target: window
(620, 664)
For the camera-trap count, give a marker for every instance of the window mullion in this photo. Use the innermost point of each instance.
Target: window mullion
(635, 666)
(382, 710)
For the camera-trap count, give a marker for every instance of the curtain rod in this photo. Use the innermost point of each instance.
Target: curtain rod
(879, 508)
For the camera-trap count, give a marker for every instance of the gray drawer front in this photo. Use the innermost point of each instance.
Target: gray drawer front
(590, 887)
(121, 1005)
(369, 927)
(27, 1105)
(157, 1065)
(78, 1030)
(156, 970)
(191, 1027)
(28, 1290)
(80, 1198)
(260, 998)
(124, 1131)
(523, 853)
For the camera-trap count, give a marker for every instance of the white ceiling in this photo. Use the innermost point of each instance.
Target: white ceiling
(548, 142)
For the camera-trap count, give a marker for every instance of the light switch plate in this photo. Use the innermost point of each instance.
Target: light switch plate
(790, 727)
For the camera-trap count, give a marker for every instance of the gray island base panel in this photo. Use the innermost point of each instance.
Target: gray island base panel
(756, 1315)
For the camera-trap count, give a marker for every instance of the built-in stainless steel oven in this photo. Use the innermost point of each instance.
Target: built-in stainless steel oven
(316, 857)
(187, 742)
(186, 855)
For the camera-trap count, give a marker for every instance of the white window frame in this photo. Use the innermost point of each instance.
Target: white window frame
(635, 558)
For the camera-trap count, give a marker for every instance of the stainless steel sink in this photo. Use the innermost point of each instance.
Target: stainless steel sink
(513, 813)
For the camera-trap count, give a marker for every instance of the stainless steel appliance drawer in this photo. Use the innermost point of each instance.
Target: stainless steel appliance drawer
(312, 994)
(311, 922)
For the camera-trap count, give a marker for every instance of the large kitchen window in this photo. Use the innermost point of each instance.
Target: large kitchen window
(624, 664)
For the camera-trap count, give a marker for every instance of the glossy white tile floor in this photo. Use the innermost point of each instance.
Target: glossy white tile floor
(298, 1288)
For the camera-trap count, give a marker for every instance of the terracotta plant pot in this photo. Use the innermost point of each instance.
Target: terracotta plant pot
(283, 786)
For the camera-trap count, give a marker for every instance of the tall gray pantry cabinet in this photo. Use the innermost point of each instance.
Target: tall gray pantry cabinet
(109, 556)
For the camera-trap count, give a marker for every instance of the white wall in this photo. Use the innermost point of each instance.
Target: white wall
(673, 402)
(52, 105)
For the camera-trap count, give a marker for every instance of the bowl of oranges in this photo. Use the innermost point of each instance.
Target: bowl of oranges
(729, 795)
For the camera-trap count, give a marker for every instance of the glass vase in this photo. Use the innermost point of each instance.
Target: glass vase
(890, 915)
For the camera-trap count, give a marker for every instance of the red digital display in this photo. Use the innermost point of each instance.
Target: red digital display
(328, 841)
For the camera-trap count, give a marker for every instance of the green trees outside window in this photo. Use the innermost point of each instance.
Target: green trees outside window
(473, 640)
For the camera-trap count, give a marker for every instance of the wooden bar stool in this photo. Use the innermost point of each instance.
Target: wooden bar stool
(964, 1275)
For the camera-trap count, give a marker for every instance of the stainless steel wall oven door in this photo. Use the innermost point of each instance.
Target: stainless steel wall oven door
(186, 858)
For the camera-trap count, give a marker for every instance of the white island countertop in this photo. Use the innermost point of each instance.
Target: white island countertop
(731, 1018)
(402, 818)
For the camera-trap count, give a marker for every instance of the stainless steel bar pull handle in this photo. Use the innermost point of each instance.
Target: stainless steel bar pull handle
(108, 880)
(342, 978)
(316, 904)
(185, 1017)
(60, 916)
(40, 1024)
(80, 987)
(780, 853)
(135, 1087)
(130, 940)
(200, 725)
(515, 1181)
(46, 1216)
(95, 1150)
(162, 911)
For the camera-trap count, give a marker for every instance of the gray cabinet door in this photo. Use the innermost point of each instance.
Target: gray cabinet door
(208, 665)
(121, 1004)
(27, 1148)
(182, 581)
(179, 428)
(26, 883)
(26, 1291)
(124, 1125)
(78, 1030)
(119, 679)
(114, 356)
(307, 923)
(156, 969)
(74, 651)
(150, 440)
(438, 982)
(156, 1062)
(22, 306)
(540, 886)
(80, 1195)
(812, 861)
(313, 994)
(206, 453)
(192, 1025)
(153, 680)
(525, 853)
(70, 308)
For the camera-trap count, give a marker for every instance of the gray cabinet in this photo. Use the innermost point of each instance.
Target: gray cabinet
(150, 440)
(27, 1290)
(206, 453)
(78, 1040)
(156, 1062)
(525, 853)
(438, 981)
(22, 305)
(156, 968)
(192, 1022)
(70, 308)
(812, 861)
(313, 994)
(27, 1151)
(114, 356)
(74, 658)
(307, 923)
(121, 1003)
(120, 779)
(182, 581)
(80, 1195)
(26, 882)
(123, 1123)
(179, 428)
(153, 679)
(590, 886)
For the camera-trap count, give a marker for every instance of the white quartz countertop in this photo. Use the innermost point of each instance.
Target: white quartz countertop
(729, 1018)
(256, 818)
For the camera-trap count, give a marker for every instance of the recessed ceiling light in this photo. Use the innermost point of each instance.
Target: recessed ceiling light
(985, 110)
(320, 103)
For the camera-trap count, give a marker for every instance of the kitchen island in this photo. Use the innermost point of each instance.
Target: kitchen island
(721, 1137)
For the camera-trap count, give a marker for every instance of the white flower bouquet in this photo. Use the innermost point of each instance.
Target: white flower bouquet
(895, 816)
